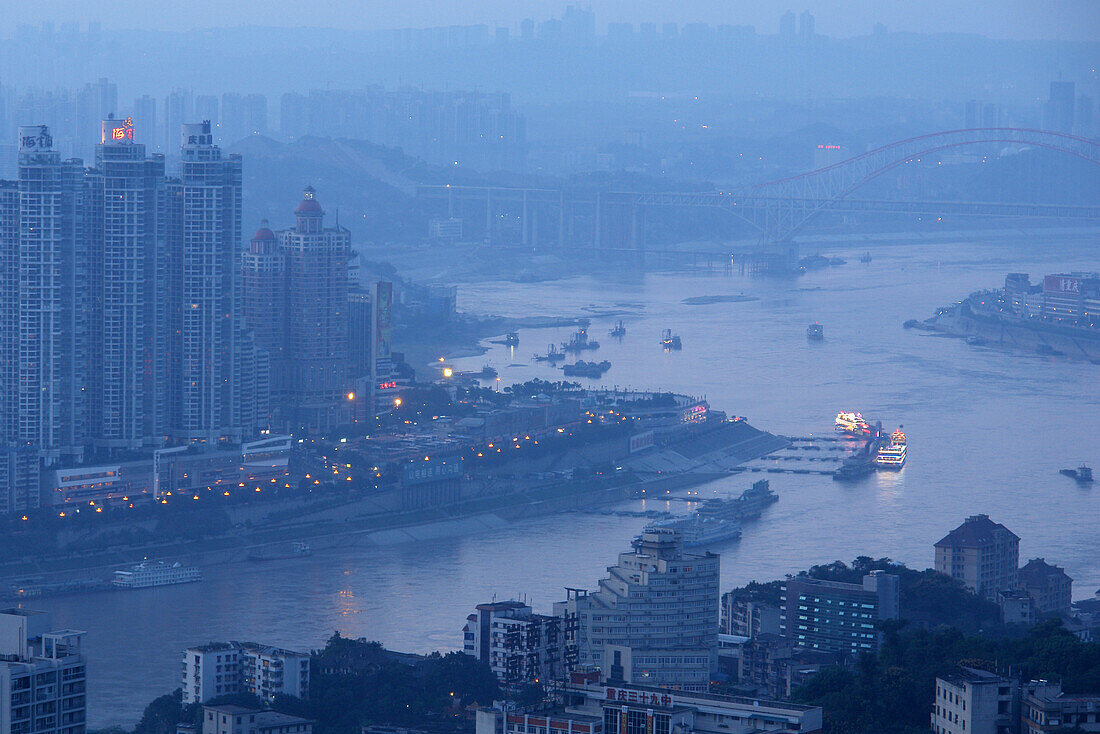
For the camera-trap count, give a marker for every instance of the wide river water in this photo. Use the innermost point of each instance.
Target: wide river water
(988, 431)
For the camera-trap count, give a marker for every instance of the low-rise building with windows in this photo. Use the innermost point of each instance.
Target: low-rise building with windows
(1045, 708)
(593, 706)
(233, 719)
(972, 701)
(1049, 586)
(839, 617)
(221, 668)
(982, 554)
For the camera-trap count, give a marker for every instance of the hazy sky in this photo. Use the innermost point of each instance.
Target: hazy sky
(1060, 19)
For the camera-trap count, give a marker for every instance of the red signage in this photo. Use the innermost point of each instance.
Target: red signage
(122, 130)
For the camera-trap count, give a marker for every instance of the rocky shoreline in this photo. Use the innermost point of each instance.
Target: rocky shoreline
(1037, 339)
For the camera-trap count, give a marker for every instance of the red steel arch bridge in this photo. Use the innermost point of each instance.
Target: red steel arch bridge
(777, 209)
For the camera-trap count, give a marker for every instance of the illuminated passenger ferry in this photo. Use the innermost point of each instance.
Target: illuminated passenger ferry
(892, 456)
(897, 437)
(851, 422)
(147, 574)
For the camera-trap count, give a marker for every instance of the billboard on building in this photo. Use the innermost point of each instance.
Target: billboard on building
(1063, 284)
(421, 472)
(383, 318)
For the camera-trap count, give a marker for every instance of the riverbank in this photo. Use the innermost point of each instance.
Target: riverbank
(363, 526)
(688, 457)
(988, 330)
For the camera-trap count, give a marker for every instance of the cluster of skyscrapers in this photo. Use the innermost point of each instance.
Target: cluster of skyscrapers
(123, 303)
(475, 129)
(73, 115)
(120, 330)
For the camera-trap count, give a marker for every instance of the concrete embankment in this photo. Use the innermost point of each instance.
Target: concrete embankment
(364, 523)
(1017, 336)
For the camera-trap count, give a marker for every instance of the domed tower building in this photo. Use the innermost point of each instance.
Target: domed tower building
(296, 303)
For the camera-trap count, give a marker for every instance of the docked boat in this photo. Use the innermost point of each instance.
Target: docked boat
(753, 500)
(619, 331)
(852, 423)
(854, 467)
(892, 456)
(1082, 473)
(488, 372)
(698, 530)
(277, 552)
(146, 575)
(815, 332)
(670, 341)
(552, 355)
(580, 368)
(579, 342)
(977, 341)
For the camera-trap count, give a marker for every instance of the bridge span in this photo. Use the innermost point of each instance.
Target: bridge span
(778, 210)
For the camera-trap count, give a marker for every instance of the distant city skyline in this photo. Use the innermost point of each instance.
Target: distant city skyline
(1070, 20)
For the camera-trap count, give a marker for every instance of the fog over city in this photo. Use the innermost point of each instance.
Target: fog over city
(547, 367)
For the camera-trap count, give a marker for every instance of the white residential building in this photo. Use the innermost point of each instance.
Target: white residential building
(519, 645)
(232, 719)
(654, 619)
(221, 668)
(972, 701)
(42, 675)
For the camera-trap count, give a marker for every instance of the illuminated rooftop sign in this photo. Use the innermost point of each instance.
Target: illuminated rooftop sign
(118, 131)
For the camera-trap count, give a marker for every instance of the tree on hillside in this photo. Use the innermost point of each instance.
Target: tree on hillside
(162, 714)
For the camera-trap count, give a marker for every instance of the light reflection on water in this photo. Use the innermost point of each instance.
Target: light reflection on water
(988, 432)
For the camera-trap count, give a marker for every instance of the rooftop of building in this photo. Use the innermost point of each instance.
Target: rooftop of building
(963, 674)
(230, 708)
(253, 647)
(212, 647)
(261, 649)
(1038, 571)
(274, 718)
(19, 612)
(716, 697)
(557, 712)
(501, 606)
(977, 531)
(802, 578)
(1051, 692)
(264, 717)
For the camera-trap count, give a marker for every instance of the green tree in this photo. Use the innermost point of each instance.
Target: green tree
(162, 715)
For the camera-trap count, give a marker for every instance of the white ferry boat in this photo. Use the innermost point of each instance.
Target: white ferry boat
(892, 456)
(697, 531)
(852, 423)
(146, 575)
